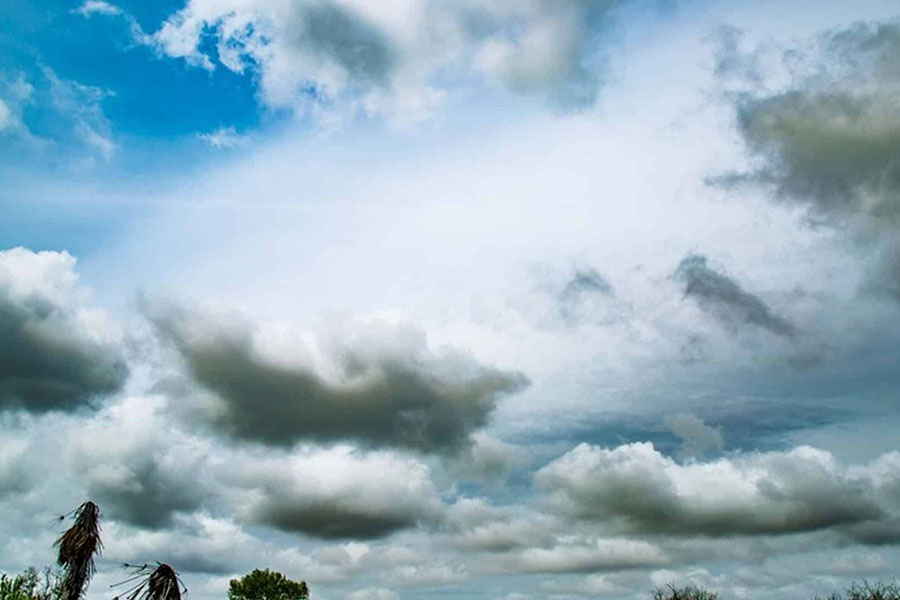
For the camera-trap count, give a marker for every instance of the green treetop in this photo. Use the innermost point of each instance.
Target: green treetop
(266, 585)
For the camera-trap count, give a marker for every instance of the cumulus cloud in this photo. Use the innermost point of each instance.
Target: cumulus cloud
(380, 386)
(337, 493)
(151, 475)
(392, 57)
(725, 299)
(637, 489)
(829, 140)
(58, 353)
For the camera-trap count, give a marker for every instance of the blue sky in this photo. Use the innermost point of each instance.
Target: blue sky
(415, 299)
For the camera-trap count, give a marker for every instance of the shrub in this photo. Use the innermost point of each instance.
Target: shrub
(29, 585)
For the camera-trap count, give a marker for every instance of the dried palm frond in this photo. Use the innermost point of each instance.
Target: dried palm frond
(77, 548)
(162, 583)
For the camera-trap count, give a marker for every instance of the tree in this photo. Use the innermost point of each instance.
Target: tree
(266, 585)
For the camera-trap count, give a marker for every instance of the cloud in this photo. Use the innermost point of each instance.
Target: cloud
(15, 93)
(519, 539)
(224, 137)
(697, 438)
(579, 296)
(489, 460)
(634, 488)
(587, 281)
(427, 575)
(380, 386)
(153, 475)
(197, 543)
(148, 472)
(97, 7)
(7, 120)
(50, 115)
(585, 556)
(724, 298)
(829, 139)
(394, 58)
(82, 106)
(373, 593)
(473, 524)
(57, 353)
(337, 493)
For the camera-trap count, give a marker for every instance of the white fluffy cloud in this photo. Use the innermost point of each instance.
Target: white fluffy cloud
(637, 489)
(336, 493)
(394, 57)
(97, 7)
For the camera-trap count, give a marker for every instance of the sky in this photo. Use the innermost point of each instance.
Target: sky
(413, 299)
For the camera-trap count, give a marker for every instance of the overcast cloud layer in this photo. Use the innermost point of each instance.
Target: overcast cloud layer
(498, 300)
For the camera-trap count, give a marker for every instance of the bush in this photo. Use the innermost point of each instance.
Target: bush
(29, 585)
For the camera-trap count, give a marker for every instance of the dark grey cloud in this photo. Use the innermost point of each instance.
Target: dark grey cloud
(55, 354)
(837, 152)
(829, 141)
(725, 299)
(389, 391)
(329, 520)
(634, 488)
